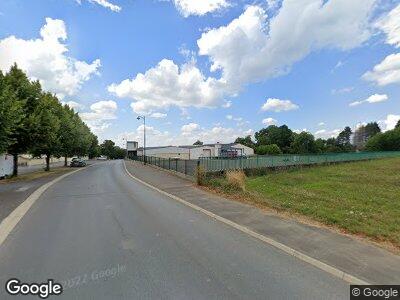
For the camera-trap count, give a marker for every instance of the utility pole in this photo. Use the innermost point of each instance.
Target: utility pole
(144, 137)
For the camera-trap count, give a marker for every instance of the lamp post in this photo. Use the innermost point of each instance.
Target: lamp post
(144, 137)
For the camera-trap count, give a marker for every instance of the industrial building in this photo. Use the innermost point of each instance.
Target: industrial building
(198, 151)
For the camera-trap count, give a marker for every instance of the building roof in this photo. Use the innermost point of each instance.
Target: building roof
(228, 145)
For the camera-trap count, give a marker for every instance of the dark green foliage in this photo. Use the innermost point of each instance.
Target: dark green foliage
(281, 136)
(245, 141)
(388, 141)
(198, 143)
(33, 121)
(303, 143)
(108, 148)
(272, 149)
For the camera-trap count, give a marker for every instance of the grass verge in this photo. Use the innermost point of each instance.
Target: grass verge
(361, 198)
(35, 175)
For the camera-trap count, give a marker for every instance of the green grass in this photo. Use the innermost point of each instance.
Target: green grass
(360, 197)
(36, 175)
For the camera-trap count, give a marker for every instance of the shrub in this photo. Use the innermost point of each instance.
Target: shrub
(272, 149)
(200, 175)
(388, 141)
(236, 179)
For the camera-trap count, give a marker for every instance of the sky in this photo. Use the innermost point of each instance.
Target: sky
(211, 70)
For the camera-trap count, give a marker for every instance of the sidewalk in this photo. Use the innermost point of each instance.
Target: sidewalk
(355, 257)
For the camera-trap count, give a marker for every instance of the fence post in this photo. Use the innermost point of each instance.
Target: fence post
(169, 163)
(176, 165)
(185, 168)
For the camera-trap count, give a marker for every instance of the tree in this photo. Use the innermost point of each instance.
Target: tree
(281, 136)
(107, 148)
(198, 143)
(398, 124)
(364, 133)
(387, 141)
(304, 142)
(344, 139)
(27, 95)
(94, 149)
(47, 123)
(321, 145)
(272, 149)
(10, 115)
(247, 141)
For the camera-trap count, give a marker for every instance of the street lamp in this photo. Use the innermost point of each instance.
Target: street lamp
(144, 137)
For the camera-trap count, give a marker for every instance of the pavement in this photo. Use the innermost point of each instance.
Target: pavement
(353, 256)
(104, 235)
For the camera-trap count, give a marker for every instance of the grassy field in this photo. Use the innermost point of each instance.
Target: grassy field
(361, 197)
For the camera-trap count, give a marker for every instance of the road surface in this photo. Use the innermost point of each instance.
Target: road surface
(105, 236)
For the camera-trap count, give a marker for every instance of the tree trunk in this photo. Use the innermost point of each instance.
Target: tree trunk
(15, 166)
(65, 161)
(47, 163)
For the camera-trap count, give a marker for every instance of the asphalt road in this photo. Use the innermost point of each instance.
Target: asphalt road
(105, 236)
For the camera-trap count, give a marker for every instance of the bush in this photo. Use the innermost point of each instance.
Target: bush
(200, 175)
(388, 141)
(272, 149)
(236, 179)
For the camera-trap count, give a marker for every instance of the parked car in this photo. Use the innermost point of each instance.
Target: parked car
(102, 157)
(77, 162)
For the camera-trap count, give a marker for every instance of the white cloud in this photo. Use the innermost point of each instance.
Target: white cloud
(376, 98)
(269, 121)
(45, 59)
(74, 105)
(321, 124)
(342, 90)
(100, 114)
(158, 115)
(390, 25)
(324, 134)
(190, 128)
(253, 48)
(199, 7)
(170, 85)
(278, 105)
(390, 122)
(386, 72)
(298, 131)
(104, 3)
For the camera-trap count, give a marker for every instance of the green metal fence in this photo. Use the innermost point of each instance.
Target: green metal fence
(269, 161)
(218, 164)
(184, 166)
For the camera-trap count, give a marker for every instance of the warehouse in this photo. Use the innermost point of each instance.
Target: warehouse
(198, 151)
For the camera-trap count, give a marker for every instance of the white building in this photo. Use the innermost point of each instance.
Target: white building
(198, 151)
(6, 165)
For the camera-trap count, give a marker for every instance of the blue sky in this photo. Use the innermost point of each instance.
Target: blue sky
(212, 69)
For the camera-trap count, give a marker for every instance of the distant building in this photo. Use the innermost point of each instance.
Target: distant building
(198, 151)
(132, 148)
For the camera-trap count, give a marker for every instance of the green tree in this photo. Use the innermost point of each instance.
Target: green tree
(10, 115)
(387, 141)
(281, 136)
(46, 120)
(94, 149)
(198, 143)
(27, 95)
(247, 141)
(344, 139)
(272, 149)
(304, 142)
(398, 124)
(107, 148)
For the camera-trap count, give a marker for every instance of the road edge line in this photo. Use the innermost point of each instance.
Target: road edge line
(9, 222)
(299, 255)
